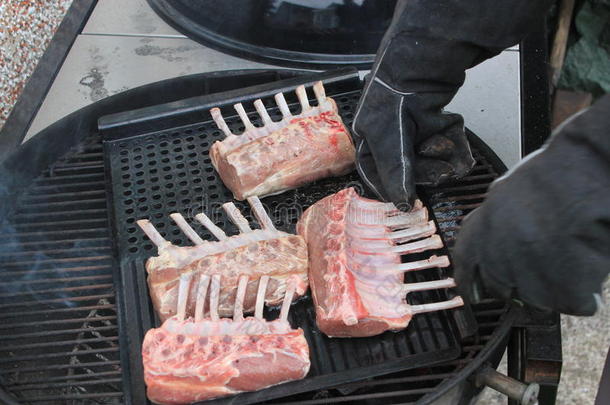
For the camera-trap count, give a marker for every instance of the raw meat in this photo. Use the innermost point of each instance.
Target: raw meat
(192, 360)
(259, 252)
(287, 154)
(355, 269)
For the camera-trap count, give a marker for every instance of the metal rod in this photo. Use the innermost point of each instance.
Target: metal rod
(524, 394)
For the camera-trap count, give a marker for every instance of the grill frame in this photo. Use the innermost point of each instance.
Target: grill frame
(18, 171)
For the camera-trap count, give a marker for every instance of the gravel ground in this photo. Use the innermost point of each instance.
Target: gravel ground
(26, 27)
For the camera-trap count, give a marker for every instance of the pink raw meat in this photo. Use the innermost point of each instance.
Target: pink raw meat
(355, 269)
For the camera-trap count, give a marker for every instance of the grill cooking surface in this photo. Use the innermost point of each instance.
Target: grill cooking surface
(168, 171)
(58, 325)
(59, 339)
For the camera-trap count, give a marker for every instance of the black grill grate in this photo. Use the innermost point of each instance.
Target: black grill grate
(161, 172)
(62, 221)
(58, 321)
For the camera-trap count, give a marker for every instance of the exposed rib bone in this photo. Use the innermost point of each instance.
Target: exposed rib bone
(183, 294)
(260, 213)
(244, 118)
(236, 217)
(290, 289)
(202, 292)
(385, 208)
(260, 297)
(318, 89)
(433, 261)
(207, 222)
(414, 232)
(220, 122)
(380, 246)
(186, 228)
(403, 220)
(433, 242)
(429, 285)
(214, 297)
(262, 111)
(152, 233)
(302, 95)
(238, 309)
(437, 306)
(281, 102)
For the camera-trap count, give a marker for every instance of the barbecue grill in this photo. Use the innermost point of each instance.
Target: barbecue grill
(65, 334)
(62, 331)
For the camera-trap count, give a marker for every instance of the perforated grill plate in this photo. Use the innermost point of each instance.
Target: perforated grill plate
(169, 171)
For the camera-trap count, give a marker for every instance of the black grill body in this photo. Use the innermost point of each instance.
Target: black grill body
(62, 337)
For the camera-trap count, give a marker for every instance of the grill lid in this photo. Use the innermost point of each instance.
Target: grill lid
(284, 32)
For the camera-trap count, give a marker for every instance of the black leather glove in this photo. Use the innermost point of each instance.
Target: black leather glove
(543, 234)
(403, 136)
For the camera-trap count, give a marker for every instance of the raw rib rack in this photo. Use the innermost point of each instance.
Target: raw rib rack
(198, 358)
(254, 252)
(285, 154)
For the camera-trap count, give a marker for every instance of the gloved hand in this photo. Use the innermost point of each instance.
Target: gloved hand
(403, 136)
(542, 236)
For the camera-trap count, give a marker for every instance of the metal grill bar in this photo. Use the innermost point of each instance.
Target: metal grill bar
(60, 322)
(93, 222)
(59, 261)
(69, 384)
(58, 343)
(54, 235)
(47, 243)
(115, 363)
(75, 396)
(60, 290)
(56, 346)
(55, 311)
(58, 270)
(53, 355)
(64, 378)
(54, 300)
(57, 332)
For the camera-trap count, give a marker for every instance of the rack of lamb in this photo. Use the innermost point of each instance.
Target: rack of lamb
(285, 154)
(193, 359)
(356, 272)
(255, 252)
